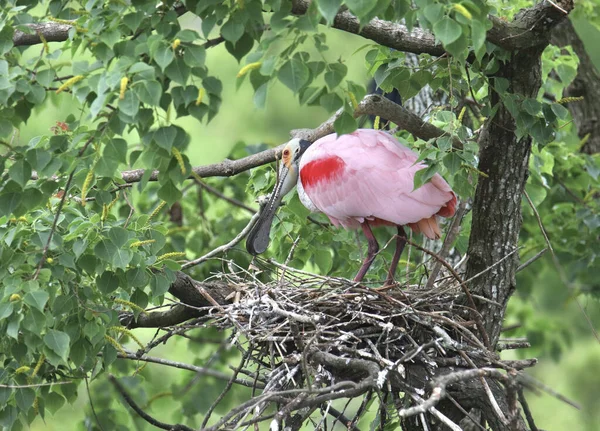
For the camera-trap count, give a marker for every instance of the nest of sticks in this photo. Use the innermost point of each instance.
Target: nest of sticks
(308, 340)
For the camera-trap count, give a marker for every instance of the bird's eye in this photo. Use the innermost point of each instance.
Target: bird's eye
(286, 152)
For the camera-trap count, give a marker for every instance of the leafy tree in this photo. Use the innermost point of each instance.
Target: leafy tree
(105, 227)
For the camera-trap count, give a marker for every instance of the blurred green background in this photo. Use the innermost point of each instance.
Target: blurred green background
(573, 369)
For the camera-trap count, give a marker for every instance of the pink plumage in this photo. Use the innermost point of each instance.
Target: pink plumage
(369, 176)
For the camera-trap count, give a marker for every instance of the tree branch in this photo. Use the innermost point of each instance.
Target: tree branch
(142, 413)
(51, 32)
(530, 28)
(385, 33)
(372, 104)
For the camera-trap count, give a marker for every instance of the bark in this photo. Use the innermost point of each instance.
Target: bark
(586, 112)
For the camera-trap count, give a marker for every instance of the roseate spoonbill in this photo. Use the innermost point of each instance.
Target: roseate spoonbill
(362, 179)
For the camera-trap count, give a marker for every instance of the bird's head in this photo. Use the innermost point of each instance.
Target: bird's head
(258, 238)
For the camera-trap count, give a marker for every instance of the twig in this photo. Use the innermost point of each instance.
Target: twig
(539, 220)
(527, 411)
(453, 232)
(463, 285)
(531, 260)
(560, 270)
(224, 247)
(220, 195)
(184, 366)
(226, 389)
(141, 412)
(87, 387)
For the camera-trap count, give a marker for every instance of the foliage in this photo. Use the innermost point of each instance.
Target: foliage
(79, 244)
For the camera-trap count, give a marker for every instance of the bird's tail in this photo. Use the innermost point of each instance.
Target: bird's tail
(428, 226)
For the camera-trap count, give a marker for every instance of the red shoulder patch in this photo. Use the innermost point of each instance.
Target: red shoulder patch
(321, 170)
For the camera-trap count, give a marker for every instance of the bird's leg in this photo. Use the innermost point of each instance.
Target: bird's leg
(400, 243)
(371, 251)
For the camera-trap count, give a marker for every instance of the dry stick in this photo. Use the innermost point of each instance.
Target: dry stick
(87, 387)
(227, 388)
(533, 259)
(142, 413)
(220, 195)
(464, 412)
(486, 389)
(184, 366)
(559, 268)
(453, 231)
(463, 285)
(224, 247)
(527, 411)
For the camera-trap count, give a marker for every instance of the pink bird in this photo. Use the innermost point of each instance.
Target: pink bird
(362, 179)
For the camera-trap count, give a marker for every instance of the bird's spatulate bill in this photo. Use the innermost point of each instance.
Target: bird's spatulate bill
(258, 238)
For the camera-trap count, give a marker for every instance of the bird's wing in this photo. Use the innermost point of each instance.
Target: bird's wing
(373, 178)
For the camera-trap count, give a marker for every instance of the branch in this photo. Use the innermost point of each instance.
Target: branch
(141, 412)
(185, 289)
(183, 366)
(51, 32)
(530, 28)
(385, 33)
(372, 104)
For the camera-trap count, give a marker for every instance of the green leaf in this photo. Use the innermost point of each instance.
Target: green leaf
(232, 30)
(116, 149)
(163, 56)
(165, 137)
(194, 56)
(335, 74)
(532, 106)
(20, 172)
(453, 162)
(24, 398)
(560, 111)
(8, 202)
(6, 310)
(240, 48)
(137, 277)
(323, 259)
(434, 12)
(121, 258)
(360, 8)
(107, 283)
(36, 299)
(329, 9)
(345, 123)
(149, 92)
(260, 96)
(38, 158)
(105, 250)
(478, 34)
(58, 342)
(130, 104)
(294, 74)
(422, 176)
(159, 284)
(54, 402)
(331, 102)
(45, 77)
(6, 127)
(178, 71)
(447, 30)
(169, 193)
(118, 236)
